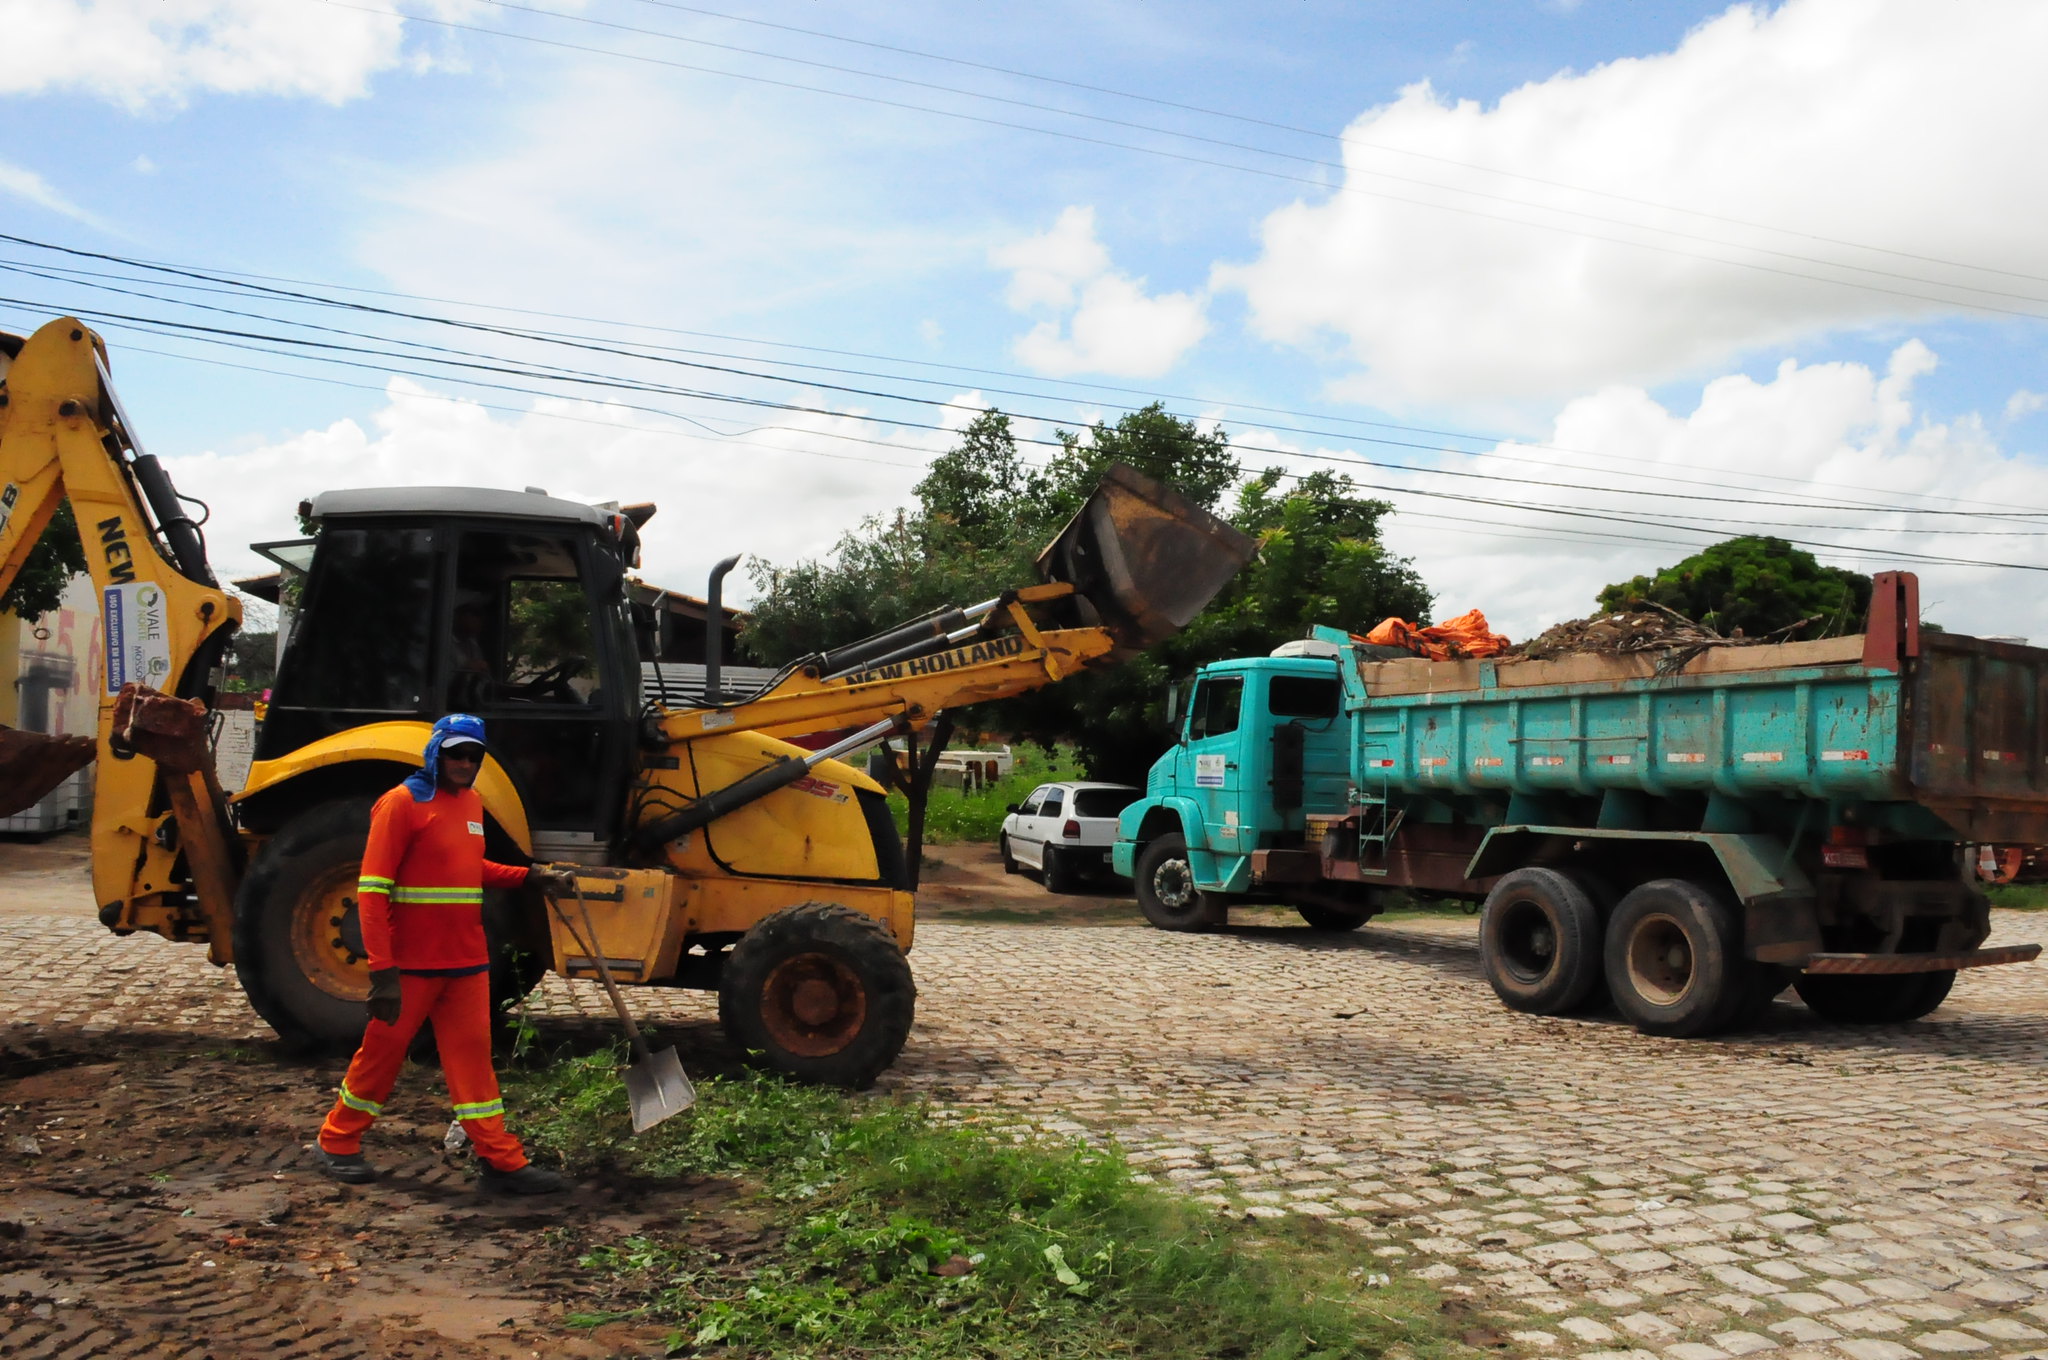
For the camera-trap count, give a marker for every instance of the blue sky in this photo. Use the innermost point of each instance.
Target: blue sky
(1784, 256)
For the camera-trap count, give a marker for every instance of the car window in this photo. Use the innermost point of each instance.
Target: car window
(1214, 708)
(1055, 800)
(1102, 802)
(1029, 807)
(1303, 696)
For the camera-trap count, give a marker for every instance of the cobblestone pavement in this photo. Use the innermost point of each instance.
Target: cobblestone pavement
(1806, 1190)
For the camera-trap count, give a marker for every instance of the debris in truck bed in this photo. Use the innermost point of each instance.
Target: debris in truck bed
(1648, 629)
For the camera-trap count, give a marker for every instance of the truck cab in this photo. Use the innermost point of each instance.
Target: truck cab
(1263, 746)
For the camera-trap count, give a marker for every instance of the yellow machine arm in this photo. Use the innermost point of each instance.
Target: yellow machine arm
(64, 435)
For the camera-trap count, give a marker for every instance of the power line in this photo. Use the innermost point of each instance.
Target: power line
(1206, 161)
(1338, 137)
(226, 277)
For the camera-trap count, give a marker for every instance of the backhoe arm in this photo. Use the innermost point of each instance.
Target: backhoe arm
(157, 835)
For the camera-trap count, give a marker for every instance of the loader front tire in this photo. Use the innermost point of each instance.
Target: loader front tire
(298, 941)
(820, 992)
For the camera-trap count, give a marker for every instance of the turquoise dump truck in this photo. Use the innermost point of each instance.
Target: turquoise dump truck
(1687, 833)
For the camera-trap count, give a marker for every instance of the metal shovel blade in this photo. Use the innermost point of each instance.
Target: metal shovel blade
(1144, 558)
(657, 1087)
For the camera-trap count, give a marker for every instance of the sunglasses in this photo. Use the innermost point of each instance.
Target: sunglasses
(466, 756)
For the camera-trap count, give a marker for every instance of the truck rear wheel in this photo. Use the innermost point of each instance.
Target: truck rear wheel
(1539, 941)
(1674, 959)
(1166, 889)
(1874, 999)
(298, 942)
(821, 992)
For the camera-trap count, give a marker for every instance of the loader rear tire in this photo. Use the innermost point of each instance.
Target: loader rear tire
(298, 943)
(1539, 942)
(820, 992)
(1167, 894)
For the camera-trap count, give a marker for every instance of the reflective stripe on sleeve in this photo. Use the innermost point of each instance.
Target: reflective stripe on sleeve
(371, 883)
(356, 1102)
(446, 897)
(482, 1109)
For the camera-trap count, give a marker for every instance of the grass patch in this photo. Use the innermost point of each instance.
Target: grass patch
(904, 1234)
(955, 815)
(2018, 896)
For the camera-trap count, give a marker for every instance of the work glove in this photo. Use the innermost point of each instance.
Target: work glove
(553, 879)
(384, 1002)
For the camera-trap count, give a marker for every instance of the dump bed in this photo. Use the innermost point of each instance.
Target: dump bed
(1956, 728)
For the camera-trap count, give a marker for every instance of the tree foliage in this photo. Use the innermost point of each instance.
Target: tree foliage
(1758, 584)
(57, 557)
(982, 515)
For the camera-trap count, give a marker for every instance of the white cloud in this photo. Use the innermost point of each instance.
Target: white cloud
(780, 493)
(1111, 325)
(1906, 124)
(1829, 433)
(2024, 403)
(29, 186)
(140, 53)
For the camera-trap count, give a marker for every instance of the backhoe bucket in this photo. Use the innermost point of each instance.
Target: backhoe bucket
(1143, 558)
(32, 765)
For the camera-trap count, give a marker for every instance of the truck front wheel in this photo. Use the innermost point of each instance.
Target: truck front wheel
(1674, 959)
(1882, 999)
(1539, 941)
(821, 992)
(1167, 894)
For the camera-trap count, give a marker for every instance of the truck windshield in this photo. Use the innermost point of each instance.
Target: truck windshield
(1302, 696)
(1213, 710)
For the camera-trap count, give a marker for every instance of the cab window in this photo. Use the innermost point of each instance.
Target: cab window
(1303, 696)
(1214, 709)
(521, 632)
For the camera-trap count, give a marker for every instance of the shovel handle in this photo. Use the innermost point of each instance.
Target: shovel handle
(641, 1053)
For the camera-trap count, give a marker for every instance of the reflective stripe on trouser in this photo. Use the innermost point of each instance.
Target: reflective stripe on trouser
(460, 1008)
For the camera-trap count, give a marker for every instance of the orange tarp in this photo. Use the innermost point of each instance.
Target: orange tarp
(1465, 636)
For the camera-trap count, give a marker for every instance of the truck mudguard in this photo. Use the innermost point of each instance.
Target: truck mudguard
(1758, 867)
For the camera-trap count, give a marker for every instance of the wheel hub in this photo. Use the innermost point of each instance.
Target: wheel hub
(1660, 962)
(1173, 883)
(813, 1005)
(327, 937)
(1528, 941)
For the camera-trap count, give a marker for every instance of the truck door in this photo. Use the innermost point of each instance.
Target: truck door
(1213, 764)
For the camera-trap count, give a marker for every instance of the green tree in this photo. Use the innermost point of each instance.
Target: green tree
(982, 515)
(57, 557)
(1757, 584)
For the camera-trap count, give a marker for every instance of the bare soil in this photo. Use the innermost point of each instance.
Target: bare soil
(50, 877)
(164, 1201)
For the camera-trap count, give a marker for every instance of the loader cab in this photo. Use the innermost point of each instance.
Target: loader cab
(509, 605)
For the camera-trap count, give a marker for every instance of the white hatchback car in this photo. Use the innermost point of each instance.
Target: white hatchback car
(1064, 831)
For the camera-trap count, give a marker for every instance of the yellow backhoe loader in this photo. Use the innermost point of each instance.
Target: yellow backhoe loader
(714, 853)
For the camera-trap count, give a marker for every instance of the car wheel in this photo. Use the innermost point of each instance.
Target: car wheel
(1059, 873)
(1010, 865)
(1166, 888)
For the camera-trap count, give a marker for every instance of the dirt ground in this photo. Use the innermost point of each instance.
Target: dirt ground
(158, 1196)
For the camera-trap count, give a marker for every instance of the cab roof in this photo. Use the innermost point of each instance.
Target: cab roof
(480, 501)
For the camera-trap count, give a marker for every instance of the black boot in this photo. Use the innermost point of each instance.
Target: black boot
(346, 1167)
(527, 1180)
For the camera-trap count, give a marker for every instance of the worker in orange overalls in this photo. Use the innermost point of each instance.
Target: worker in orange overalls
(420, 900)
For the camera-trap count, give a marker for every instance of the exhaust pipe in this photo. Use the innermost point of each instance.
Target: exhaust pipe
(714, 629)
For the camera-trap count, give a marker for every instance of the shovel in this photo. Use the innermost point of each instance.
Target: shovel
(656, 1085)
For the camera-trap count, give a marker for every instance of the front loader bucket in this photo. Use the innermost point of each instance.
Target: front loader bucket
(32, 765)
(1143, 559)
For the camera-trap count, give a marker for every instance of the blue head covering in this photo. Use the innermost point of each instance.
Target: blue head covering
(423, 781)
